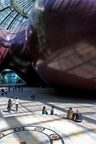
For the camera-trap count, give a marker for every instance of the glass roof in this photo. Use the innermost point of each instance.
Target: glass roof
(14, 12)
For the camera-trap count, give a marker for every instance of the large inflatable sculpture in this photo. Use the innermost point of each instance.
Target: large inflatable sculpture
(58, 43)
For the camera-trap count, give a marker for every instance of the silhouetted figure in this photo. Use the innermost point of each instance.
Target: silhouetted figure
(33, 95)
(9, 105)
(13, 88)
(9, 87)
(22, 88)
(2, 91)
(19, 87)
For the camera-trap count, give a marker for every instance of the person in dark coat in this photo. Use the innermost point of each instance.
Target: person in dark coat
(2, 91)
(33, 95)
(9, 105)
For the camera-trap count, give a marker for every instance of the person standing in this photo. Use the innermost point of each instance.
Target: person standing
(17, 101)
(9, 87)
(13, 88)
(22, 88)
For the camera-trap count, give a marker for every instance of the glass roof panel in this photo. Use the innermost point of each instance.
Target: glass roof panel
(14, 12)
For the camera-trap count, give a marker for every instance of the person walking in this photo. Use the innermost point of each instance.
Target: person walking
(2, 91)
(9, 105)
(17, 101)
(33, 95)
(6, 91)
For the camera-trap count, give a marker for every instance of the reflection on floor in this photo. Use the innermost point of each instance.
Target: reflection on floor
(29, 126)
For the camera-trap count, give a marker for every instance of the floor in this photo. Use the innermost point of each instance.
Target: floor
(29, 126)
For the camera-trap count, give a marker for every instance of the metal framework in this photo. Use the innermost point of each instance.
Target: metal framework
(14, 12)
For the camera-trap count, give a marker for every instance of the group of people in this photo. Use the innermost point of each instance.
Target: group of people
(52, 111)
(20, 88)
(4, 91)
(10, 104)
(76, 116)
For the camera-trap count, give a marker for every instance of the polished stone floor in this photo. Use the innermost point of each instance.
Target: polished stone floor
(29, 126)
